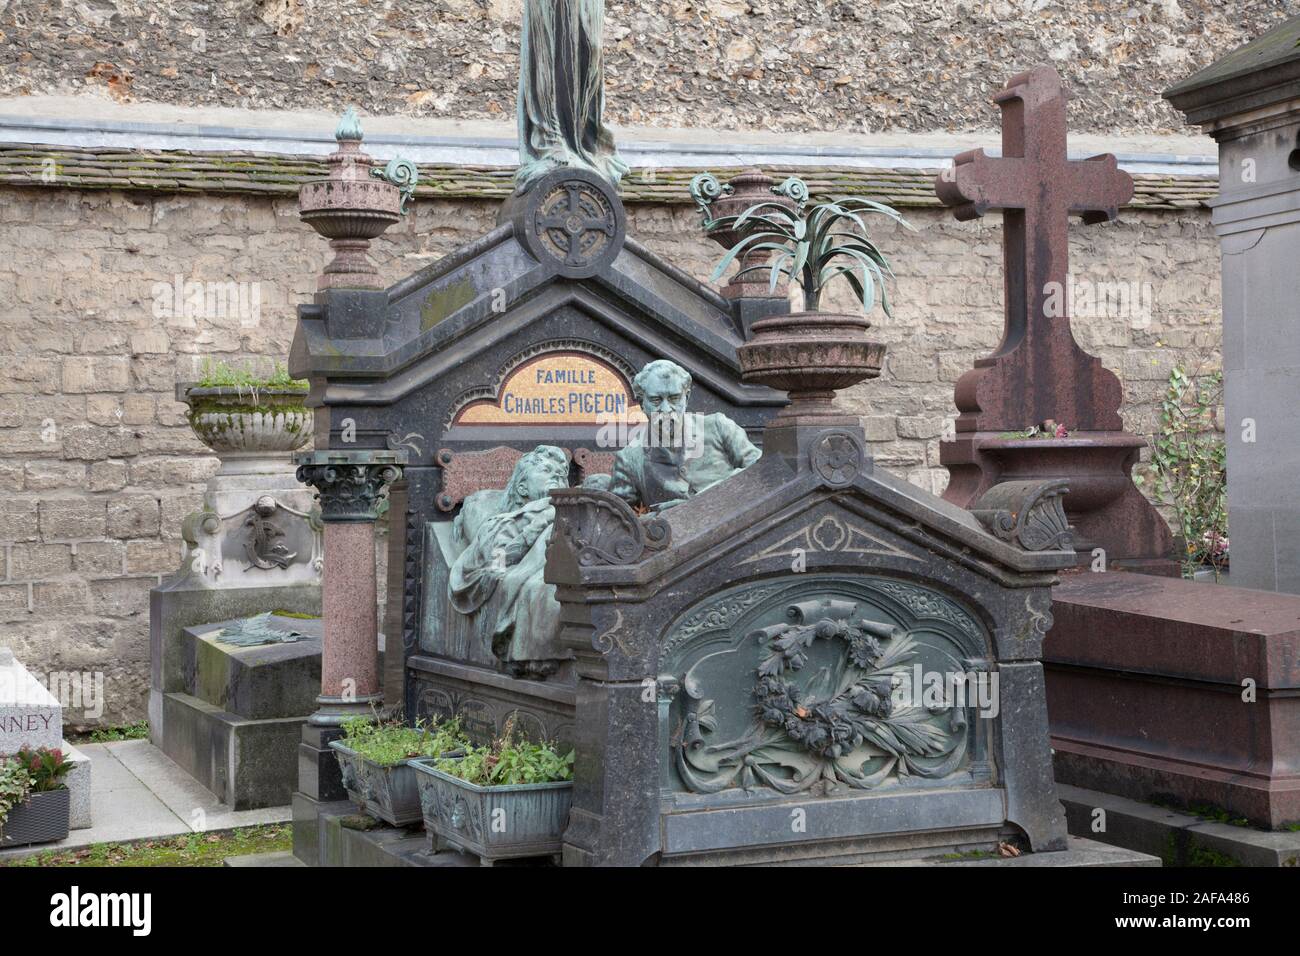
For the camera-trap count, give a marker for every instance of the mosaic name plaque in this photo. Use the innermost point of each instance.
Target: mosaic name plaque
(557, 388)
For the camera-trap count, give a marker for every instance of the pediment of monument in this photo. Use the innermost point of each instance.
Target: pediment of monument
(487, 294)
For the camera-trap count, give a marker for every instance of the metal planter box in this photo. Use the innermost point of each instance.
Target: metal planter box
(493, 823)
(386, 792)
(42, 819)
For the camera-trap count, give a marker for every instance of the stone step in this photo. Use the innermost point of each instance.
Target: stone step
(247, 764)
(1079, 852)
(1180, 839)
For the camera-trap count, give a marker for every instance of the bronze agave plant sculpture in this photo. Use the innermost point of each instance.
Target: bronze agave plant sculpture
(810, 354)
(811, 246)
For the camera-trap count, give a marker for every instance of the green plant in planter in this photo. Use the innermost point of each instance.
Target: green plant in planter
(220, 375)
(1189, 467)
(47, 767)
(389, 743)
(15, 785)
(507, 762)
(812, 247)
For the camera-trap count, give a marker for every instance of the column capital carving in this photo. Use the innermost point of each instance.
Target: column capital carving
(351, 485)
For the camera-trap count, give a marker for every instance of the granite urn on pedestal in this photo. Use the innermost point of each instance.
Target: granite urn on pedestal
(253, 547)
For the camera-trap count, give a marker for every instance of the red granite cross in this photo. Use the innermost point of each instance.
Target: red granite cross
(1038, 370)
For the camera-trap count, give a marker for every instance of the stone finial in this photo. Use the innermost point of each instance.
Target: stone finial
(349, 127)
(349, 208)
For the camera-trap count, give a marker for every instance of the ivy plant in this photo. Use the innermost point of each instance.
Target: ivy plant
(15, 785)
(1188, 467)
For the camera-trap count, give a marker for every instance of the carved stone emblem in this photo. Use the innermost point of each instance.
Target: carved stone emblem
(263, 545)
(602, 528)
(837, 457)
(575, 223)
(571, 218)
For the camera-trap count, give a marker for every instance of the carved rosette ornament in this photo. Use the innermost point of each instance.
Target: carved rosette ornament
(353, 485)
(838, 456)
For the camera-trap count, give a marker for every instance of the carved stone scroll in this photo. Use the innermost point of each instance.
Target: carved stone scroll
(1028, 514)
(602, 528)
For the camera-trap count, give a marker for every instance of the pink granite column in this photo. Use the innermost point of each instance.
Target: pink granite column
(351, 487)
(349, 658)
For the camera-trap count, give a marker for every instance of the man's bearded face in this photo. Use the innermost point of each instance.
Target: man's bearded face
(663, 399)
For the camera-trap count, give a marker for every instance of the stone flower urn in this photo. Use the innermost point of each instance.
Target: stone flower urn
(811, 355)
(725, 201)
(248, 422)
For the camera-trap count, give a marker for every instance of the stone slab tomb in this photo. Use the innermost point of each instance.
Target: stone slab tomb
(30, 716)
(753, 663)
(1171, 691)
(247, 688)
(722, 666)
(752, 639)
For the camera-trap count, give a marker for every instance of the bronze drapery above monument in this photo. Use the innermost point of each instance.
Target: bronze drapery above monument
(562, 92)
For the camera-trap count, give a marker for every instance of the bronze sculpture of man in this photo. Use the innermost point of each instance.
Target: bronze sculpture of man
(679, 453)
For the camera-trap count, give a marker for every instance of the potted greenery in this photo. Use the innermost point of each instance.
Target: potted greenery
(812, 245)
(374, 758)
(507, 800)
(237, 413)
(34, 800)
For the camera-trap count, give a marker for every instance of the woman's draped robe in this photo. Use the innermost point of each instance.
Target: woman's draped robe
(499, 579)
(562, 92)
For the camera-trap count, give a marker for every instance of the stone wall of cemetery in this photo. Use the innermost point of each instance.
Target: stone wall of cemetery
(833, 65)
(98, 466)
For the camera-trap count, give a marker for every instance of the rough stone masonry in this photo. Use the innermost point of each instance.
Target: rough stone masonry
(836, 65)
